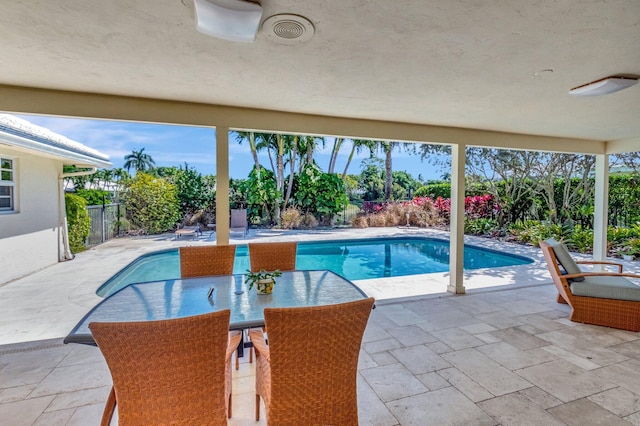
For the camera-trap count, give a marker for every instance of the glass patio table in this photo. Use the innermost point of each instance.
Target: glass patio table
(179, 298)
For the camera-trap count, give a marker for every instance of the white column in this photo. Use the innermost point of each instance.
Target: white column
(601, 207)
(456, 238)
(222, 185)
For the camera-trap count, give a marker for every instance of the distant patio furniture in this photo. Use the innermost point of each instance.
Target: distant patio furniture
(601, 298)
(272, 256)
(239, 222)
(193, 231)
(313, 379)
(175, 371)
(202, 261)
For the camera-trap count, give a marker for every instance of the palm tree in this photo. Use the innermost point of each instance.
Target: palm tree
(251, 138)
(357, 146)
(139, 161)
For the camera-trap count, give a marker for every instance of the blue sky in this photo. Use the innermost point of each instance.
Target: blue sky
(174, 145)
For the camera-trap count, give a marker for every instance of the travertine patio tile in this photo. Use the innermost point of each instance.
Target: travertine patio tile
(628, 349)
(23, 375)
(567, 322)
(443, 407)
(372, 411)
(487, 338)
(79, 398)
(16, 393)
(513, 358)
(375, 331)
(476, 306)
(83, 413)
(25, 412)
(519, 338)
(56, 418)
(619, 401)
(381, 345)
(578, 360)
(393, 381)
(478, 328)
(412, 335)
(588, 342)
(634, 419)
(67, 379)
(366, 361)
(626, 374)
(501, 319)
(539, 397)
(420, 359)
(456, 338)
(433, 381)
(565, 381)
(400, 315)
(81, 354)
(380, 358)
(446, 319)
(524, 307)
(584, 412)
(517, 410)
(464, 384)
(486, 372)
(439, 347)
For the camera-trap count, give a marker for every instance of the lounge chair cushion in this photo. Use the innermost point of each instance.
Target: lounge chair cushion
(607, 287)
(564, 259)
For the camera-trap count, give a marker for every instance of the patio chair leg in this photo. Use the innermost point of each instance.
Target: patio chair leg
(257, 407)
(230, 409)
(560, 299)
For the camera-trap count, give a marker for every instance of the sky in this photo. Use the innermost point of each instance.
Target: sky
(171, 145)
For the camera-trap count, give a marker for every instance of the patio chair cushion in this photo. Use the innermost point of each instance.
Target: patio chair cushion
(607, 287)
(564, 259)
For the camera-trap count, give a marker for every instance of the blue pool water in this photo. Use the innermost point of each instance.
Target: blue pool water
(353, 259)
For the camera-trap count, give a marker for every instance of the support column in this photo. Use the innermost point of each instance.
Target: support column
(601, 207)
(222, 185)
(456, 237)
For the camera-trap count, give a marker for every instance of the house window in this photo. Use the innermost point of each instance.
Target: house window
(7, 184)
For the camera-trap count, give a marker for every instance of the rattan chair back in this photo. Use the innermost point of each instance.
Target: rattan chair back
(200, 261)
(169, 371)
(309, 376)
(272, 256)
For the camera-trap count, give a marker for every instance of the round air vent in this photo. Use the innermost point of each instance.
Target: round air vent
(288, 29)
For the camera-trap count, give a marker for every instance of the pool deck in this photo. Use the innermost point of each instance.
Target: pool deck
(48, 303)
(505, 354)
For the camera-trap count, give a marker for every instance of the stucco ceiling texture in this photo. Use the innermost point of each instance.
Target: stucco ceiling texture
(463, 63)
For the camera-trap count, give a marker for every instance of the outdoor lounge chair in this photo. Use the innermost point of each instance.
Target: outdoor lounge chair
(174, 371)
(601, 298)
(305, 380)
(272, 256)
(200, 261)
(239, 221)
(193, 231)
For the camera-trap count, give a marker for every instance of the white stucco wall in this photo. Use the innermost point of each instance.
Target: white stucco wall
(29, 237)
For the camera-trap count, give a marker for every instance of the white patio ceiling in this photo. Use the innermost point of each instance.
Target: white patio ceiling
(421, 70)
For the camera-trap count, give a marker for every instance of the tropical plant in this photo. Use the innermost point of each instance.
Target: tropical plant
(139, 161)
(320, 194)
(253, 278)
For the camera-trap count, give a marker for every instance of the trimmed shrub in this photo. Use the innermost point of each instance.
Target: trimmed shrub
(291, 218)
(78, 222)
(152, 204)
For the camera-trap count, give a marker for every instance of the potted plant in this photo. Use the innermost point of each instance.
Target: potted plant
(263, 280)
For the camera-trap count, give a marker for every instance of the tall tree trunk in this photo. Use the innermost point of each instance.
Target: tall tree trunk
(334, 154)
(279, 174)
(388, 182)
(294, 152)
(254, 150)
(346, 167)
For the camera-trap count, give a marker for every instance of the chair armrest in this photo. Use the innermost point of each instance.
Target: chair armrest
(234, 340)
(599, 274)
(260, 345)
(600, 262)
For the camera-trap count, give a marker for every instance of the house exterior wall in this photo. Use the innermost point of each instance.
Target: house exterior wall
(29, 237)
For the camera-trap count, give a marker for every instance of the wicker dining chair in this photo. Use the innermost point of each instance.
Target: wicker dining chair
(272, 256)
(175, 371)
(200, 261)
(307, 373)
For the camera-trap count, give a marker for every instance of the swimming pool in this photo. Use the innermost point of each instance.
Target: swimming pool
(354, 259)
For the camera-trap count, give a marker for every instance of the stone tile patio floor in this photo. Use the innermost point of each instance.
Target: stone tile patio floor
(505, 356)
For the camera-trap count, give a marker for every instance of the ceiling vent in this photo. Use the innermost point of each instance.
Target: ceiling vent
(288, 29)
